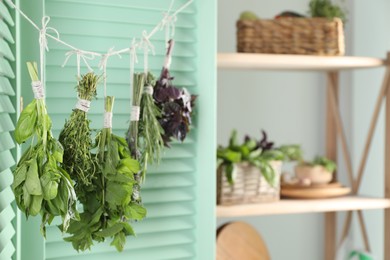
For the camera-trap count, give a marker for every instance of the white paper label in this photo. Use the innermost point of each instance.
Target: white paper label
(38, 90)
(135, 113)
(83, 105)
(107, 119)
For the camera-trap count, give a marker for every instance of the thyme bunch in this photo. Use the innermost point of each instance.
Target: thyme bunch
(77, 141)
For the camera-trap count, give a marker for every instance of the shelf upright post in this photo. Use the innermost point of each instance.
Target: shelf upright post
(331, 153)
(387, 168)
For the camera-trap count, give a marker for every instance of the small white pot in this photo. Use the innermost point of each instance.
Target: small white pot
(316, 174)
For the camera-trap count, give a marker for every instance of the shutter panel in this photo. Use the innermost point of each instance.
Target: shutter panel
(171, 229)
(7, 155)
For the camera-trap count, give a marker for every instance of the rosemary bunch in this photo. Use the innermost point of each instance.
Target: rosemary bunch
(109, 206)
(40, 184)
(150, 129)
(76, 137)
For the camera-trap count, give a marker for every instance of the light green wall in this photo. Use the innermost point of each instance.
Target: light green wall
(289, 106)
(370, 37)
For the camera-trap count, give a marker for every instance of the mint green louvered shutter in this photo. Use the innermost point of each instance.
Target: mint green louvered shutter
(179, 194)
(7, 145)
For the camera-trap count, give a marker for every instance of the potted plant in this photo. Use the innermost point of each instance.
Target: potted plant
(250, 172)
(318, 171)
(325, 8)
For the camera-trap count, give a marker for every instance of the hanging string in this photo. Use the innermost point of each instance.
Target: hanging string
(147, 46)
(133, 59)
(158, 27)
(103, 66)
(57, 39)
(79, 55)
(43, 32)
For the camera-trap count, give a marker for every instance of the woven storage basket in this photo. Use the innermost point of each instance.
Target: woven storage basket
(310, 36)
(249, 185)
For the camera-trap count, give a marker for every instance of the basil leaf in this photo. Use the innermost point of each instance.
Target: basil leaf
(26, 124)
(33, 184)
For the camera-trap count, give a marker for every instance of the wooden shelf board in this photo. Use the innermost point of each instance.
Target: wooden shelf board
(292, 206)
(295, 62)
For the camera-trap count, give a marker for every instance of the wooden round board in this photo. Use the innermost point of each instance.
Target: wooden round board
(315, 192)
(240, 241)
(313, 186)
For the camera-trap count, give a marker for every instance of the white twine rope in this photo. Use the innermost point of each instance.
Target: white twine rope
(79, 55)
(148, 90)
(38, 90)
(43, 32)
(147, 46)
(158, 27)
(170, 24)
(103, 66)
(107, 120)
(83, 105)
(135, 113)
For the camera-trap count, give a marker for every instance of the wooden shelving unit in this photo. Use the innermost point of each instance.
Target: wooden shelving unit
(287, 206)
(249, 61)
(334, 133)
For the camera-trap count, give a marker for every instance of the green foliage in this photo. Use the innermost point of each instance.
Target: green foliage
(328, 164)
(76, 139)
(325, 8)
(40, 185)
(150, 128)
(110, 203)
(253, 152)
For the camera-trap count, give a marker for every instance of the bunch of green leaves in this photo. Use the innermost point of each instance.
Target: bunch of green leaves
(77, 142)
(328, 164)
(257, 153)
(150, 129)
(325, 8)
(110, 205)
(132, 133)
(40, 184)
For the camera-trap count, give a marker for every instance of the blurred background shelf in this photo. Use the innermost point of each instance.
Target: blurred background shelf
(251, 61)
(292, 206)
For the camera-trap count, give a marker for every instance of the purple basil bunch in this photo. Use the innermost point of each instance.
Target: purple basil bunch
(176, 106)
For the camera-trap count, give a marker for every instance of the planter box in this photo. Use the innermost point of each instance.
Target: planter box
(249, 185)
(288, 35)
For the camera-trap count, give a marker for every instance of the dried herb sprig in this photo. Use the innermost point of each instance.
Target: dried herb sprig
(150, 129)
(110, 206)
(40, 184)
(76, 138)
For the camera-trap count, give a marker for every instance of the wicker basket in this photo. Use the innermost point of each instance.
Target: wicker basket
(249, 185)
(310, 36)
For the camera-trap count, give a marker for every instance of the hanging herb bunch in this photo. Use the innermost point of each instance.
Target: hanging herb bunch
(110, 205)
(132, 133)
(150, 130)
(76, 138)
(40, 184)
(176, 104)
